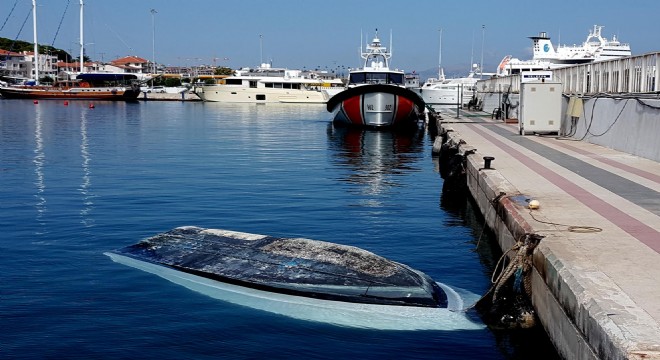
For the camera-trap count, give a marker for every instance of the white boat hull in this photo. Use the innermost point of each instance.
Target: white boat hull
(386, 317)
(239, 94)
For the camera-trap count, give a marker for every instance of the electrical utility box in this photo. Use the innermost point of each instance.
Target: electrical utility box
(540, 107)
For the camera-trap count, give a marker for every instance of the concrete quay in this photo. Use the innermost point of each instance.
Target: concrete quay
(596, 272)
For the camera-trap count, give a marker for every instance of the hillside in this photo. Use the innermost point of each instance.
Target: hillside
(18, 46)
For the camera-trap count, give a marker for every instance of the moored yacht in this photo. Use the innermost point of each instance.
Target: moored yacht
(376, 96)
(86, 86)
(266, 84)
(453, 92)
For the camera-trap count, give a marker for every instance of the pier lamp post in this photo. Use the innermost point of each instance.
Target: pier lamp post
(153, 40)
(261, 49)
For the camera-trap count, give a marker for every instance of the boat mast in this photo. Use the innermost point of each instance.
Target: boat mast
(483, 37)
(441, 74)
(36, 46)
(82, 46)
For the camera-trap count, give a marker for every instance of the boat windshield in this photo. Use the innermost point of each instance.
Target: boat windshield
(376, 78)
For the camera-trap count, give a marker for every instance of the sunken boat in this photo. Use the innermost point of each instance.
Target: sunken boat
(292, 266)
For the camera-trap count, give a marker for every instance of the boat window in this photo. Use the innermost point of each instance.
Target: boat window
(286, 85)
(253, 84)
(261, 97)
(394, 78)
(377, 78)
(277, 85)
(233, 82)
(357, 78)
(268, 85)
(295, 86)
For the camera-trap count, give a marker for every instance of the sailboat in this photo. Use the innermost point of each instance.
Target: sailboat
(86, 86)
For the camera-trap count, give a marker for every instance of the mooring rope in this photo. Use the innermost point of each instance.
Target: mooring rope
(570, 228)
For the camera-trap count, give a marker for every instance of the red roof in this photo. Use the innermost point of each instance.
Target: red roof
(129, 60)
(7, 52)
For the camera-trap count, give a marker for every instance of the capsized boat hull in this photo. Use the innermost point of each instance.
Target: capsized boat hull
(376, 106)
(291, 266)
(360, 315)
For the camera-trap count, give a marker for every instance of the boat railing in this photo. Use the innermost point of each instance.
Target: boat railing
(628, 75)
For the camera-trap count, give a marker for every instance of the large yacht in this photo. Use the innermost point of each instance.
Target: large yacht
(266, 84)
(449, 93)
(546, 56)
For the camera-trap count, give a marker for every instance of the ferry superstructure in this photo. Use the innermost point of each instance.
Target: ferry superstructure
(546, 56)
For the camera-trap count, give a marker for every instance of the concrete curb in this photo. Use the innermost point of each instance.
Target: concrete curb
(586, 315)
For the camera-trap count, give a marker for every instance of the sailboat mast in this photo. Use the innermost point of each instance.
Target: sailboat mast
(82, 44)
(36, 45)
(483, 37)
(440, 56)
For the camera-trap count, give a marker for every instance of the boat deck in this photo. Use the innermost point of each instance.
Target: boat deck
(597, 269)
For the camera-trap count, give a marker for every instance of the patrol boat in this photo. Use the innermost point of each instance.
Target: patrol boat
(376, 96)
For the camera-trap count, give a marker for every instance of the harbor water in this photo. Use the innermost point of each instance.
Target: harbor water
(78, 181)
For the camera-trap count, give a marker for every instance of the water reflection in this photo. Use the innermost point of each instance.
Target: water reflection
(375, 158)
(87, 174)
(39, 161)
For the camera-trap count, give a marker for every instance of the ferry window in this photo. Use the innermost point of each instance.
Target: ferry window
(261, 97)
(233, 82)
(357, 78)
(253, 84)
(395, 78)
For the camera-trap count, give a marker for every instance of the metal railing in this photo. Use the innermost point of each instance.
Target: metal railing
(628, 75)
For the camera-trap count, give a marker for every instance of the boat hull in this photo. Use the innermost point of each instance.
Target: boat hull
(90, 93)
(376, 106)
(240, 94)
(298, 267)
(381, 317)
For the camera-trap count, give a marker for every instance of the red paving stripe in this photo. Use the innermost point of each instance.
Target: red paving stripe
(619, 165)
(642, 232)
(614, 163)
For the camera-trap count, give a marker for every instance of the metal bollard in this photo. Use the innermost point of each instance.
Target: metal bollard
(487, 160)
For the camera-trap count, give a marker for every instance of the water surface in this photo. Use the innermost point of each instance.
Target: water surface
(77, 182)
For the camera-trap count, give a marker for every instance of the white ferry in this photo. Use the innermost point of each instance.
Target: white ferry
(546, 56)
(266, 84)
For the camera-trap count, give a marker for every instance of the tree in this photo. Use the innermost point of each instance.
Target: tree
(46, 80)
(172, 82)
(223, 70)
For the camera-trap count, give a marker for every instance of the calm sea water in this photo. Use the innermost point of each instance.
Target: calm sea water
(76, 182)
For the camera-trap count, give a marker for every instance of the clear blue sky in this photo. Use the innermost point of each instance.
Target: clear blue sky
(311, 33)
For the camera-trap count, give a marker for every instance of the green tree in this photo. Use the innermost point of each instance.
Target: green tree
(172, 82)
(223, 70)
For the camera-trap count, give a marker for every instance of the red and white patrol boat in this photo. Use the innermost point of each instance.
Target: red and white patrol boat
(376, 96)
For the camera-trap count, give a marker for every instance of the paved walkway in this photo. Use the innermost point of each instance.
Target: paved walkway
(585, 185)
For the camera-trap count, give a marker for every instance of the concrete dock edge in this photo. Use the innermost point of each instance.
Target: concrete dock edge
(586, 315)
